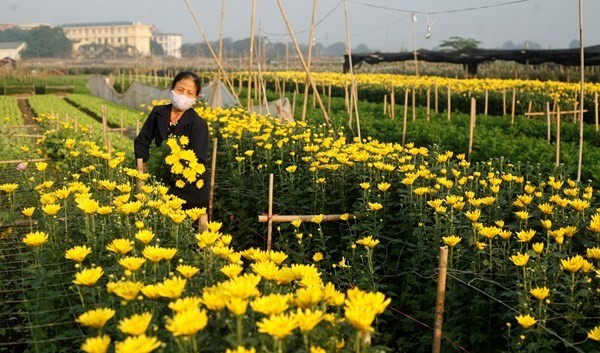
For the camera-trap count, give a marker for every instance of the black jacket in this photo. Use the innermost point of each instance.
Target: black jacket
(191, 125)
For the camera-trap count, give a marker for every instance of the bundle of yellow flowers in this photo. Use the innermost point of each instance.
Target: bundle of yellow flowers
(175, 164)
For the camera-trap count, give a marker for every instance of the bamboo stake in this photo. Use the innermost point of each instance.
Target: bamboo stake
(471, 128)
(353, 97)
(485, 106)
(414, 104)
(513, 106)
(311, 35)
(405, 116)
(270, 220)
(303, 218)
(428, 104)
(385, 103)
(329, 100)
(435, 84)
(504, 102)
(558, 135)
(140, 168)
(28, 160)
(291, 32)
(75, 125)
(548, 120)
(596, 109)
(439, 301)
(251, 51)
(393, 103)
(582, 94)
(122, 129)
(213, 170)
(449, 103)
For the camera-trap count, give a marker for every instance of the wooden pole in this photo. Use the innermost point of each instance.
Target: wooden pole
(449, 103)
(303, 218)
(428, 104)
(513, 106)
(582, 94)
(393, 103)
(311, 36)
(353, 91)
(312, 83)
(329, 99)
(439, 301)
(557, 135)
(270, 220)
(140, 168)
(213, 170)
(414, 104)
(548, 121)
(253, 15)
(435, 84)
(471, 127)
(385, 103)
(596, 109)
(504, 102)
(485, 106)
(405, 116)
(529, 107)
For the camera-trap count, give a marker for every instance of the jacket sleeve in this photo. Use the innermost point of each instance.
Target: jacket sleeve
(141, 144)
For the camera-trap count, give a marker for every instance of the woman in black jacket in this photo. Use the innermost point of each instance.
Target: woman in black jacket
(179, 119)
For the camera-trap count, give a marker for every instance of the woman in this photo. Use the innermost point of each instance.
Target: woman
(179, 119)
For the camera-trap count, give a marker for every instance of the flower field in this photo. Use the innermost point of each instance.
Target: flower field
(106, 264)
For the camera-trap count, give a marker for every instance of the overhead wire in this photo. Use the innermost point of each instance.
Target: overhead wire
(438, 12)
(308, 29)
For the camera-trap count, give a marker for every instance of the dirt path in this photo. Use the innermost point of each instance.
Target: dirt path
(25, 110)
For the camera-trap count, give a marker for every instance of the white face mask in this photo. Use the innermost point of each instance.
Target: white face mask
(181, 101)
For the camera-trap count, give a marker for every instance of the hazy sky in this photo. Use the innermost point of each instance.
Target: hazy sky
(384, 25)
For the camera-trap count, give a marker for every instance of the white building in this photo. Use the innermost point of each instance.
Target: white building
(12, 50)
(170, 42)
(116, 34)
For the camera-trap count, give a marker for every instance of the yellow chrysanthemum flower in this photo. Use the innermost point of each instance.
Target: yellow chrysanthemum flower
(232, 270)
(172, 287)
(28, 212)
(35, 239)
(451, 240)
(51, 209)
(279, 326)
(132, 263)
(272, 304)
(374, 206)
(540, 293)
(120, 246)
(187, 303)
(145, 236)
(78, 253)
(308, 319)
(594, 334)
(187, 323)
(88, 277)
(137, 344)
(368, 242)
(187, 271)
(96, 318)
(526, 321)
(97, 344)
(520, 259)
(135, 325)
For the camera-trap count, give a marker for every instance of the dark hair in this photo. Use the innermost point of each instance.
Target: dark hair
(188, 74)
